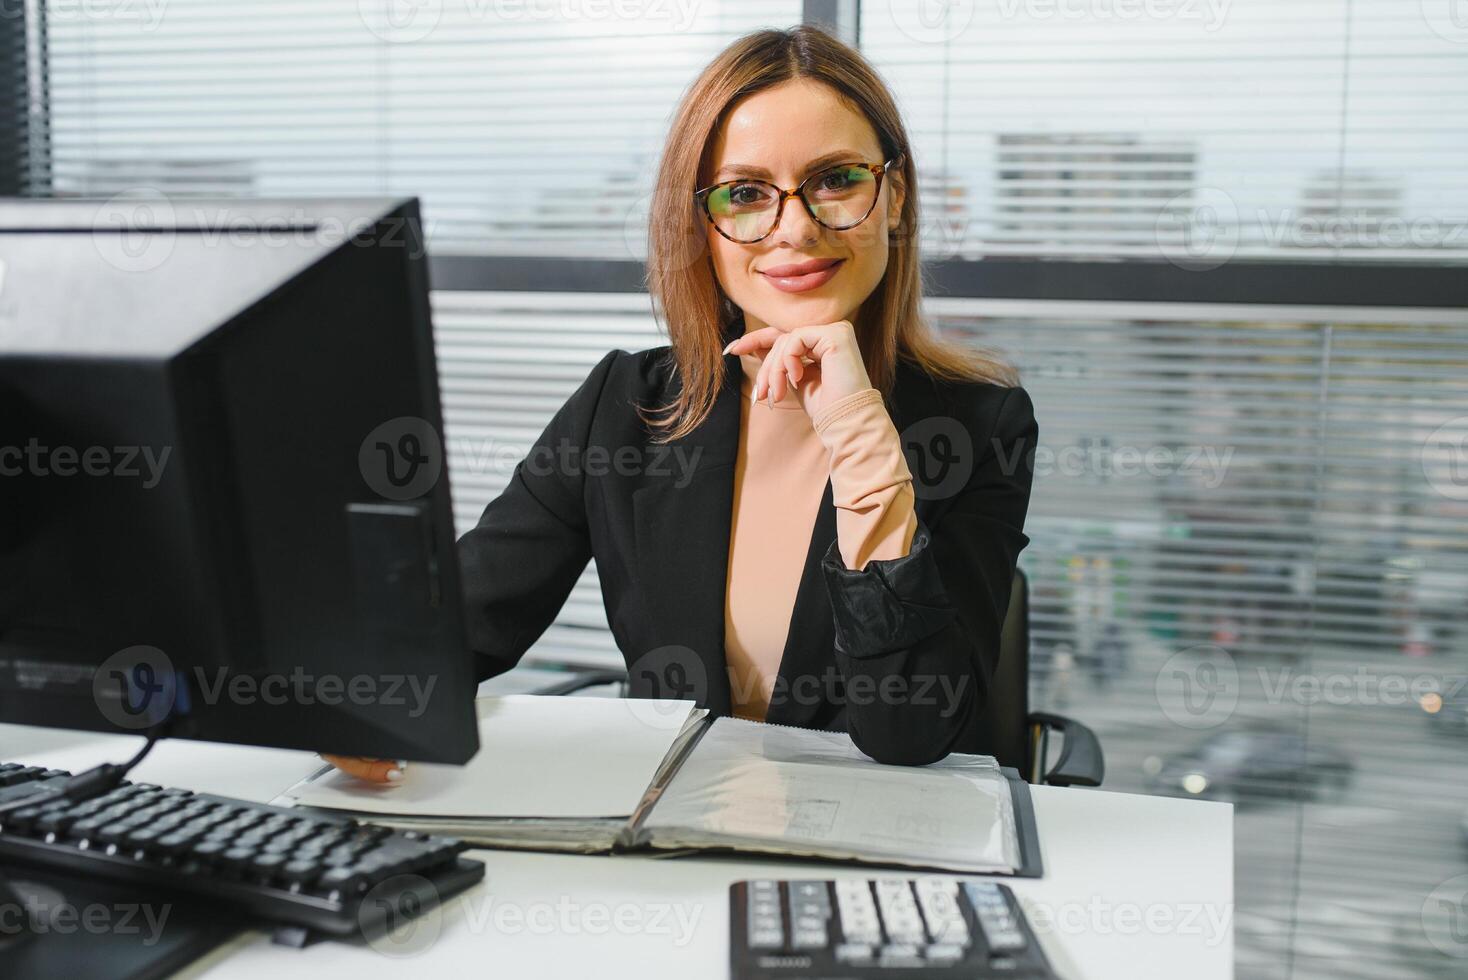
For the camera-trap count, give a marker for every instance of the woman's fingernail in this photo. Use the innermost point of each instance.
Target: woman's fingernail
(394, 775)
(754, 396)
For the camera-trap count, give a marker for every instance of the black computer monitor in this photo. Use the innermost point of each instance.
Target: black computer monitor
(224, 510)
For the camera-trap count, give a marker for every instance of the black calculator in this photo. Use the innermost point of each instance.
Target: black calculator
(880, 927)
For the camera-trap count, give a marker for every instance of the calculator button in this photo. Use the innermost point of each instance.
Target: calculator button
(943, 954)
(900, 912)
(900, 954)
(766, 939)
(853, 952)
(938, 899)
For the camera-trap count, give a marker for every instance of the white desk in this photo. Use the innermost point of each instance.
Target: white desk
(1134, 887)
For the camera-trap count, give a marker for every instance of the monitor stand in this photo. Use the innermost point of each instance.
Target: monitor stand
(59, 925)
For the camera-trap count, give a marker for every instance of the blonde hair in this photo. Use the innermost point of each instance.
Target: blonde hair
(699, 318)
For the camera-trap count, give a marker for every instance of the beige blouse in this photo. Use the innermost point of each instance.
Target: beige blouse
(784, 460)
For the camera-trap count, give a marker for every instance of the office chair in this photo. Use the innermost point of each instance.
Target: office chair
(1025, 735)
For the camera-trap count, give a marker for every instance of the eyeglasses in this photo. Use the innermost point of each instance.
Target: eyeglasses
(838, 198)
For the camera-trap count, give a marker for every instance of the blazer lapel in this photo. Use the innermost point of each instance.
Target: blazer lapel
(682, 525)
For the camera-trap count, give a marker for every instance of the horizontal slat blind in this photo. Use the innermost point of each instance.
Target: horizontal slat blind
(526, 128)
(1256, 502)
(1199, 131)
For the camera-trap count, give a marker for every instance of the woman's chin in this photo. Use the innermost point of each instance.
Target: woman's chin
(800, 311)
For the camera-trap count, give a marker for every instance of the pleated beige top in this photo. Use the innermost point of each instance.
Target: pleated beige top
(784, 460)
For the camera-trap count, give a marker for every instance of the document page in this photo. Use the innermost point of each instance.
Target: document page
(798, 791)
(539, 757)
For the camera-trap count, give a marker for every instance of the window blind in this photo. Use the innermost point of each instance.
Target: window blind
(1250, 552)
(526, 128)
(1191, 130)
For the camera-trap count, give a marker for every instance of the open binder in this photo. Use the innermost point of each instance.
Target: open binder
(596, 775)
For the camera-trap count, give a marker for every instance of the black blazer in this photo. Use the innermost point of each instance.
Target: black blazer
(899, 654)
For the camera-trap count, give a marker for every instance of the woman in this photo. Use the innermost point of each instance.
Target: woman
(760, 542)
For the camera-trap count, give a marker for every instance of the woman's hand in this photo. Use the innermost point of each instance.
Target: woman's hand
(823, 363)
(372, 770)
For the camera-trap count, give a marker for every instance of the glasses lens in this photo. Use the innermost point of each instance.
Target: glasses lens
(842, 196)
(744, 211)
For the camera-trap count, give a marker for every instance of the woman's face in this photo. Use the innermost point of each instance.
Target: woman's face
(782, 135)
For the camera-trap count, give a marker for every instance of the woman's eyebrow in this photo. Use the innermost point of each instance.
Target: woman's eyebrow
(749, 170)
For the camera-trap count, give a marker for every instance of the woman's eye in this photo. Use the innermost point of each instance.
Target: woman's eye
(836, 180)
(746, 195)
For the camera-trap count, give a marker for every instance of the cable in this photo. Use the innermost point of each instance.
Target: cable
(93, 782)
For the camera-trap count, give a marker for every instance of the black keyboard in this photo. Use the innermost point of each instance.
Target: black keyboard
(302, 870)
(883, 927)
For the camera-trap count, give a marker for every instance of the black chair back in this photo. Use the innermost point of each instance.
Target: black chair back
(1008, 704)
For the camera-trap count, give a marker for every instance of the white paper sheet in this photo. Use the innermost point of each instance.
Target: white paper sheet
(538, 757)
(797, 791)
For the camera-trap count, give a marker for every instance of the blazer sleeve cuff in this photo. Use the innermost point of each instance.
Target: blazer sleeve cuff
(889, 605)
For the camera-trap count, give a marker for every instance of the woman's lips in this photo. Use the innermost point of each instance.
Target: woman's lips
(801, 276)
